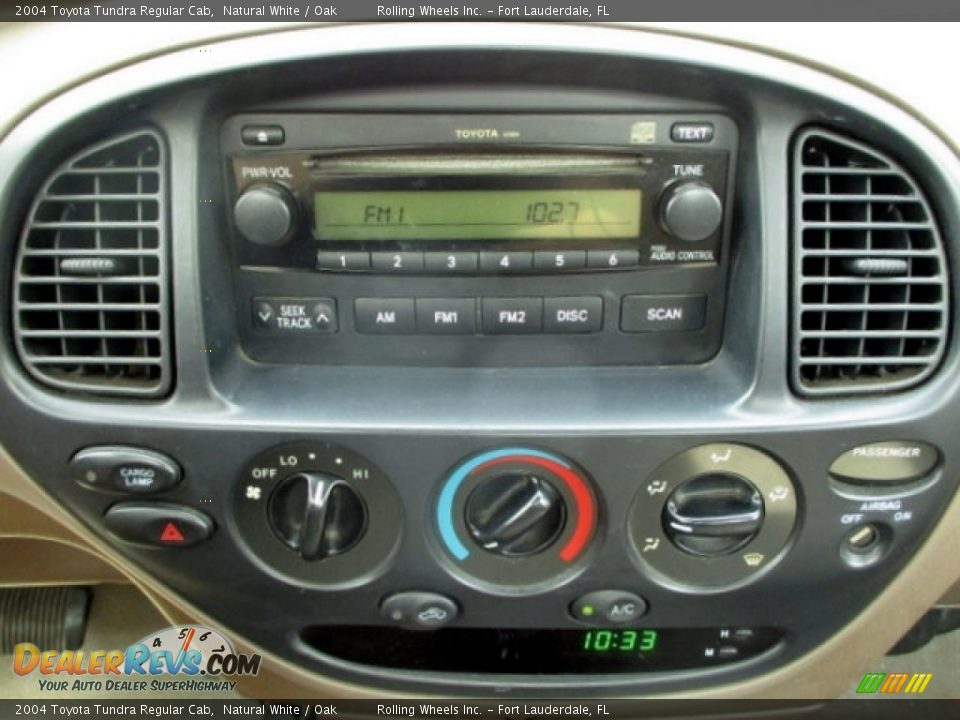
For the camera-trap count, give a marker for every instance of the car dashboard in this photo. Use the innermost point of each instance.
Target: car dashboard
(513, 360)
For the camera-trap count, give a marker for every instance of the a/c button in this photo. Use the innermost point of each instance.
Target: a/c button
(602, 607)
(662, 313)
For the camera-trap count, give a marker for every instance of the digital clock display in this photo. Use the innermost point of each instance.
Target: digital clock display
(620, 641)
(541, 651)
(548, 214)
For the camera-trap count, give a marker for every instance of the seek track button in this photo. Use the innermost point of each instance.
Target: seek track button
(295, 315)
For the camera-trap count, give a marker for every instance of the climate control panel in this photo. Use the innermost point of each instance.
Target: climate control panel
(600, 556)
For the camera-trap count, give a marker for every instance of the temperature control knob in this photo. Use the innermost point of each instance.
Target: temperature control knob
(690, 211)
(317, 515)
(713, 514)
(515, 514)
(265, 214)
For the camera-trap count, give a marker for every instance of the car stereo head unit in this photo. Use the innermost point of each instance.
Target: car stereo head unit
(484, 231)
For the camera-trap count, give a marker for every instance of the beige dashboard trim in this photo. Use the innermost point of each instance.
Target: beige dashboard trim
(824, 673)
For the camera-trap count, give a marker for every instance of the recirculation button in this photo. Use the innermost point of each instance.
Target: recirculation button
(158, 524)
(885, 463)
(122, 469)
(418, 610)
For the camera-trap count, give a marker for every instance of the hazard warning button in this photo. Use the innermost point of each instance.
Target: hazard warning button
(159, 524)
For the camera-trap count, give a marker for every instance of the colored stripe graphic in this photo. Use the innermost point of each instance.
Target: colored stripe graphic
(580, 492)
(894, 683)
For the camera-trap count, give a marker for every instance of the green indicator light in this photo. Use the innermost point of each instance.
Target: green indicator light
(586, 610)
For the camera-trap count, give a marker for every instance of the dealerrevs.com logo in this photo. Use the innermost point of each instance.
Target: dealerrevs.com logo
(188, 652)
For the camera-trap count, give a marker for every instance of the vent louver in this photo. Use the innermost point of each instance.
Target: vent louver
(870, 296)
(90, 297)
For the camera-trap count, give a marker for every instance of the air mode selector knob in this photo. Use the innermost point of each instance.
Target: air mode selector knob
(515, 514)
(713, 514)
(690, 211)
(317, 515)
(265, 214)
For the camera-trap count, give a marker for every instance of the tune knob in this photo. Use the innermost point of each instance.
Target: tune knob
(317, 515)
(713, 514)
(690, 211)
(265, 214)
(515, 514)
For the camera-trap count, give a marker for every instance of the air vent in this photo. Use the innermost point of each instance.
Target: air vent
(90, 296)
(870, 295)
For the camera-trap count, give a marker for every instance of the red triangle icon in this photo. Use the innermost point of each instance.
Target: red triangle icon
(171, 534)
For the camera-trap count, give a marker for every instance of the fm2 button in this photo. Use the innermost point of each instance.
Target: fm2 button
(602, 607)
(120, 469)
(418, 610)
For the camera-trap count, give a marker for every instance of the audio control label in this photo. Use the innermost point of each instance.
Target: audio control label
(516, 517)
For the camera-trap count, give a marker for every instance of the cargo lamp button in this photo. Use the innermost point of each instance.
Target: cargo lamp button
(124, 470)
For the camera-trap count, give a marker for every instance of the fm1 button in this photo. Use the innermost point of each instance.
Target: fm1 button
(603, 607)
(158, 524)
(418, 610)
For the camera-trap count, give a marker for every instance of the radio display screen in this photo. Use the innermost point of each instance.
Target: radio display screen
(551, 214)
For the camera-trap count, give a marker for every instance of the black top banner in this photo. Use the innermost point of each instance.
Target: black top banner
(477, 10)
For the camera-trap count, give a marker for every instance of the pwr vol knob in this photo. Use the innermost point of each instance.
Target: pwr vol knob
(516, 519)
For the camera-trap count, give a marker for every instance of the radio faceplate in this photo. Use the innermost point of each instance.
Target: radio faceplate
(499, 240)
